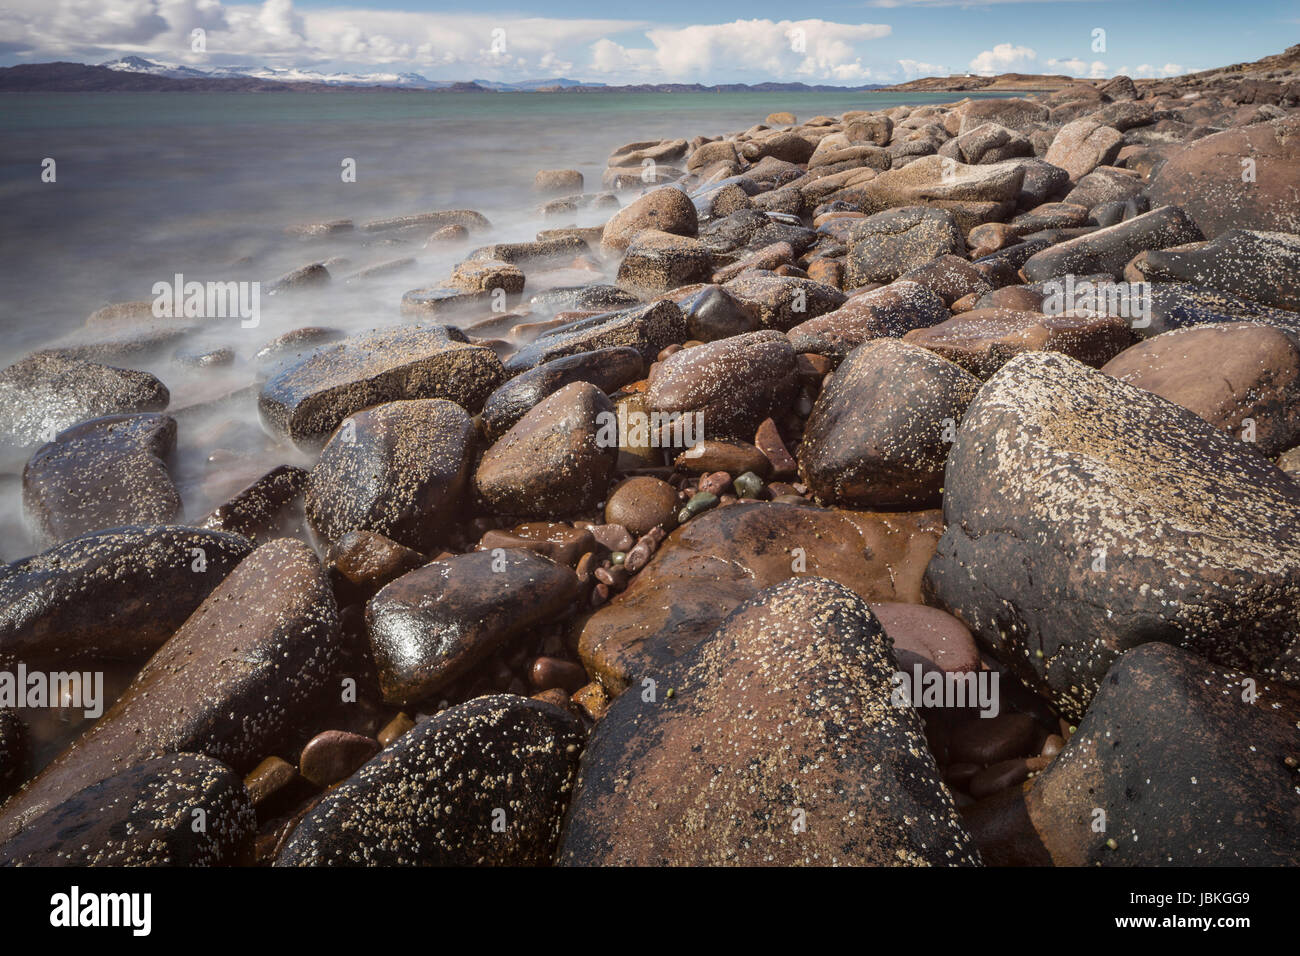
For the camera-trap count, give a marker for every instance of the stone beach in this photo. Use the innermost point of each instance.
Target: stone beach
(613, 545)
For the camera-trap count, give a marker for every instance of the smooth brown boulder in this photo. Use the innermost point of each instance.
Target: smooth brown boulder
(887, 312)
(725, 556)
(667, 210)
(1240, 377)
(642, 503)
(733, 384)
(333, 755)
(1247, 178)
(656, 262)
(401, 469)
(884, 246)
(435, 623)
(259, 654)
(982, 340)
(780, 746)
(779, 302)
(879, 433)
(554, 462)
(1082, 146)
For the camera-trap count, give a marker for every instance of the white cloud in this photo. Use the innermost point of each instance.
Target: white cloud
(1146, 70)
(813, 51)
(916, 68)
(1004, 58)
(1076, 67)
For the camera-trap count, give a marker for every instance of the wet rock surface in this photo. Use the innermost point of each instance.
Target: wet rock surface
(484, 783)
(779, 746)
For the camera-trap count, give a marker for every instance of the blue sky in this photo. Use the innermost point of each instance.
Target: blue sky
(845, 43)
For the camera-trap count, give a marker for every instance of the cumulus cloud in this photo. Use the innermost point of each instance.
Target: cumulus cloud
(912, 69)
(1147, 71)
(807, 50)
(1004, 58)
(1076, 67)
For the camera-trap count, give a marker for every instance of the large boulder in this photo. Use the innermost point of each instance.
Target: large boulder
(1082, 146)
(1177, 763)
(656, 262)
(608, 369)
(1084, 516)
(667, 209)
(484, 783)
(973, 194)
(45, 393)
(884, 246)
(1109, 250)
(175, 810)
(114, 594)
(779, 746)
(1240, 377)
(307, 401)
(1262, 266)
(880, 431)
(436, 622)
(105, 473)
(553, 462)
(888, 312)
(401, 469)
(1245, 178)
(647, 328)
(256, 657)
(780, 302)
(733, 384)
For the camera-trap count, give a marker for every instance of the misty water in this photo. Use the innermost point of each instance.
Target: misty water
(151, 185)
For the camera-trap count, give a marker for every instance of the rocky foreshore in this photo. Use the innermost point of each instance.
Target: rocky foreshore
(910, 487)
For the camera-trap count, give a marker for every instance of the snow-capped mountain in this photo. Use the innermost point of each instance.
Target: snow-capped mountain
(413, 81)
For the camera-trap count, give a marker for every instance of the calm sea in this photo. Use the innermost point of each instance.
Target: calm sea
(150, 185)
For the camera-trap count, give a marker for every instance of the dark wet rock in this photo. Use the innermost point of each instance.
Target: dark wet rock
(880, 431)
(44, 394)
(780, 302)
(656, 262)
(104, 473)
(401, 469)
(13, 750)
(482, 783)
(714, 454)
(181, 809)
(111, 594)
(308, 401)
(982, 340)
(1200, 780)
(733, 384)
(562, 543)
(583, 297)
(258, 511)
(608, 369)
(334, 755)
(725, 556)
(258, 655)
(1208, 179)
(1240, 377)
(647, 328)
(712, 313)
(362, 562)
(1141, 522)
(779, 746)
(437, 622)
(1109, 250)
(1263, 266)
(884, 246)
(888, 312)
(667, 210)
(553, 462)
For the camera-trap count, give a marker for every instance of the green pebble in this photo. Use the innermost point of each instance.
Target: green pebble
(618, 557)
(683, 516)
(748, 485)
(700, 501)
